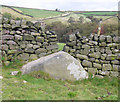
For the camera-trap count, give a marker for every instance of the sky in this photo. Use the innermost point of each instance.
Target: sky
(65, 5)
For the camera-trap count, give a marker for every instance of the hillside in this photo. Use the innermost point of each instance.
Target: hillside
(39, 13)
(29, 13)
(14, 13)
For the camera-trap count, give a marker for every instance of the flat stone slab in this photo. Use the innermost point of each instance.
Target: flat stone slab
(60, 65)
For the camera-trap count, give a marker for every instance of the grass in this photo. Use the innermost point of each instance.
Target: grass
(60, 46)
(39, 13)
(40, 88)
(100, 13)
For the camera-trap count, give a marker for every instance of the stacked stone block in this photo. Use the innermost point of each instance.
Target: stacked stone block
(25, 40)
(99, 55)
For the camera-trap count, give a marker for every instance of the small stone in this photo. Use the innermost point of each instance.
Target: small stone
(18, 32)
(7, 37)
(96, 65)
(24, 56)
(24, 81)
(112, 45)
(116, 68)
(33, 57)
(71, 37)
(18, 37)
(29, 45)
(42, 54)
(92, 70)
(72, 43)
(102, 50)
(66, 48)
(107, 50)
(40, 39)
(114, 74)
(36, 46)
(51, 47)
(102, 38)
(82, 56)
(116, 39)
(109, 39)
(29, 50)
(111, 57)
(103, 56)
(102, 44)
(40, 50)
(28, 37)
(84, 40)
(104, 73)
(35, 34)
(11, 42)
(72, 50)
(106, 67)
(115, 62)
(93, 42)
(87, 63)
(14, 72)
(104, 62)
(1, 77)
(92, 59)
(99, 76)
(78, 35)
(4, 47)
(96, 37)
(12, 32)
(95, 55)
(12, 51)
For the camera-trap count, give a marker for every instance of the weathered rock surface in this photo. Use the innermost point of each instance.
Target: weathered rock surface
(59, 65)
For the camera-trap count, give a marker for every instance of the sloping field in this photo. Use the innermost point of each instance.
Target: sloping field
(39, 13)
(14, 13)
(113, 20)
(101, 13)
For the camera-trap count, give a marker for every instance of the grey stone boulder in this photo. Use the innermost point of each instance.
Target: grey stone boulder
(60, 65)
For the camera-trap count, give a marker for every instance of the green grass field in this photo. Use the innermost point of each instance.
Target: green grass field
(14, 88)
(39, 13)
(100, 13)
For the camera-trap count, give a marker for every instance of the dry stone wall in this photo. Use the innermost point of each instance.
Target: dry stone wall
(99, 55)
(25, 40)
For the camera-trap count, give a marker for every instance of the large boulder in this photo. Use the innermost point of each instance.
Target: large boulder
(60, 65)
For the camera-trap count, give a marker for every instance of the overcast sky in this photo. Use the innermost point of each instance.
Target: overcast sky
(81, 5)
